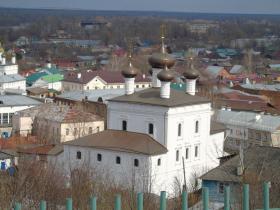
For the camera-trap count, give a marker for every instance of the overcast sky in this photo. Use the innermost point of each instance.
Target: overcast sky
(212, 6)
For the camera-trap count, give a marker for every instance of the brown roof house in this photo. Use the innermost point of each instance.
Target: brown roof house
(101, 79)
(54, 124)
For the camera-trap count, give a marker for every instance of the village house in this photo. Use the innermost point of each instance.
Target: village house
(256, 165)
(217, 72)
(9, 104)
(102, 79)
(55, 124)
(248, 128)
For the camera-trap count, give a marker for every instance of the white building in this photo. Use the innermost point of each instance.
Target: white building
(12, 81)
(151, 134)
(9, 104)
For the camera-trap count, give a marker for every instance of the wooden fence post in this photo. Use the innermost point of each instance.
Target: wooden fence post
(205, 198)
(162, 200)
(266, 196)
(43, 205)
(69, 204)
(245, 197)
(227, 198)
(140, 201)
(17, 206)
(93, 203)
(118, 202)
(184, 200)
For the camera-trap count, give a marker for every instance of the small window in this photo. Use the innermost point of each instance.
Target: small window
(75, 131)
(79, 155)
(137, 86)
(177, 155)
(99, 157)
(187, 153)
(136, 162)
(67, 131)
(90, 130)
(196, 126)
(118, 160)
(151, 128)
(179, 129)
(196, 151)
(124, 125)
(97, 129)
(159, 162)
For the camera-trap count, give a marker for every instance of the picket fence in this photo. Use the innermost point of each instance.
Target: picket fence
(163, 200)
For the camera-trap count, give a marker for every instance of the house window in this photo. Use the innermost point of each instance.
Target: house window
(187, 153)
(179, 129)
(177, 155)
(222, 187)
(118, 160)
(99, 157)
(97, 129)
(137, 86)
(136, 162)
(151, 128)
(159, 162)
(67, 131)
(196, 151)
(75, 131)
(196, 126)
(90, 130)
(124, 125)
(79, 155)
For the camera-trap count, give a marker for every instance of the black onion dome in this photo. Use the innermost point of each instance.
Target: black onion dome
(130, 72)
(165, 76)
(159, 60)
(191, 74)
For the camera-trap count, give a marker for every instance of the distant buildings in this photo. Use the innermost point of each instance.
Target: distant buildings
(201, 26)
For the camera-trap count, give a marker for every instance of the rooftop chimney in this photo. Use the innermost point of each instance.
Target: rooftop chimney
(3, 60)
(79, 75)
(48, 64)
(14, 60)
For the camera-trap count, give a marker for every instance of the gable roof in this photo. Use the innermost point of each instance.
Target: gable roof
(214, 70)
(34, 77)
(151, 96)
(249, 119)
(258, 160)
(236, 69)
(123, 141)
(17, 100)
(107, 76)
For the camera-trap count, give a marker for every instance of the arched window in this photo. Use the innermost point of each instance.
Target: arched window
(99, 157)
(90, 130)
(79, 155)
(124, 125)
(151, 128)
(179, 129)
(177, 155)
(196, 126)
(118, 160)
(159, 162)
(136, 162)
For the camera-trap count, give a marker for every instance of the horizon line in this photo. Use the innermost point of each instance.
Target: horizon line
(156, 11)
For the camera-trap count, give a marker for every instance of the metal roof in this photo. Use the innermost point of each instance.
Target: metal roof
(93, 95)
(11, 78)
(17, 100)
(259, 86)
(249, 120)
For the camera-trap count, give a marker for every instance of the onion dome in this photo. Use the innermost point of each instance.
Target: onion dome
(159, 60)
(191, 74)
(130, 72)
(165, 75)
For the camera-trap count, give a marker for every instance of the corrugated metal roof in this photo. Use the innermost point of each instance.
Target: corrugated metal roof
(236, 69)
(17, 100)
(11, 78)
(53, 78)
(249, 120)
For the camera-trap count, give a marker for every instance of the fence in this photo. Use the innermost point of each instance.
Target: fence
(163, 200)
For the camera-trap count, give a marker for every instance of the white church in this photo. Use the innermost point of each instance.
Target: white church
(154, 136)
(10, 80)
